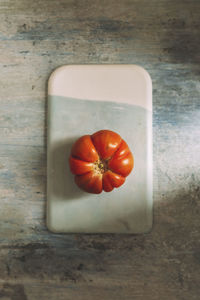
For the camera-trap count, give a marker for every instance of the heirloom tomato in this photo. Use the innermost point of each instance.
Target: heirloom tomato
(100, 161)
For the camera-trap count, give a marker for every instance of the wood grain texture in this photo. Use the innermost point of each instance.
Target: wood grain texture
(35, 38)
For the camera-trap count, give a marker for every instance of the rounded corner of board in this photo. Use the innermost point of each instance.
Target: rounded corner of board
(50, 227)
(144, 72)
(56, 75)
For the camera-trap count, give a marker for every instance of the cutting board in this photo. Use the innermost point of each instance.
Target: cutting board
(83, 99)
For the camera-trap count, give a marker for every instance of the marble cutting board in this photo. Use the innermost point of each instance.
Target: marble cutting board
(83, 99)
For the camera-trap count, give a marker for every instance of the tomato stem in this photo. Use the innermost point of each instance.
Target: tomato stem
(101, 166)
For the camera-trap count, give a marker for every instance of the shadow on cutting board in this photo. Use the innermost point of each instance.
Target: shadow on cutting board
(63, 185)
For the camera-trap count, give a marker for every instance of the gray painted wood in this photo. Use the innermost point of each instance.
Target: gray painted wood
(35, 38)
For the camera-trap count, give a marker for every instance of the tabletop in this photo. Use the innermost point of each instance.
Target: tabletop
(35, 38)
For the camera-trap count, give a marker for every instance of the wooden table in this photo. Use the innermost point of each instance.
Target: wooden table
(35, 38)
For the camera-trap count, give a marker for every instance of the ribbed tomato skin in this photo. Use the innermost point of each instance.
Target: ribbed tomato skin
(112, 180)
(100, 161)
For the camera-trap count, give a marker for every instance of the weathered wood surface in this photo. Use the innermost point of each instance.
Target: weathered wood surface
(38, 36)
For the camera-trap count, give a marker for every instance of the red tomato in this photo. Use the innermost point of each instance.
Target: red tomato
(100, 161)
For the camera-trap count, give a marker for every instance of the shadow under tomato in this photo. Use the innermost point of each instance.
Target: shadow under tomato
(63, 185)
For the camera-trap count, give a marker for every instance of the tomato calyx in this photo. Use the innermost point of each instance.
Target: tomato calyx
(101, 166)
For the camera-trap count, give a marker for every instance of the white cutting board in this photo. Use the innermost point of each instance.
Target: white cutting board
(83, 99)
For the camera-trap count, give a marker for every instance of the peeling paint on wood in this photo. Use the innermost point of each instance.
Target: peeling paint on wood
(35, 38)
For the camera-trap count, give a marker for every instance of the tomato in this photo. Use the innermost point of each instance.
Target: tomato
(100, 161)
